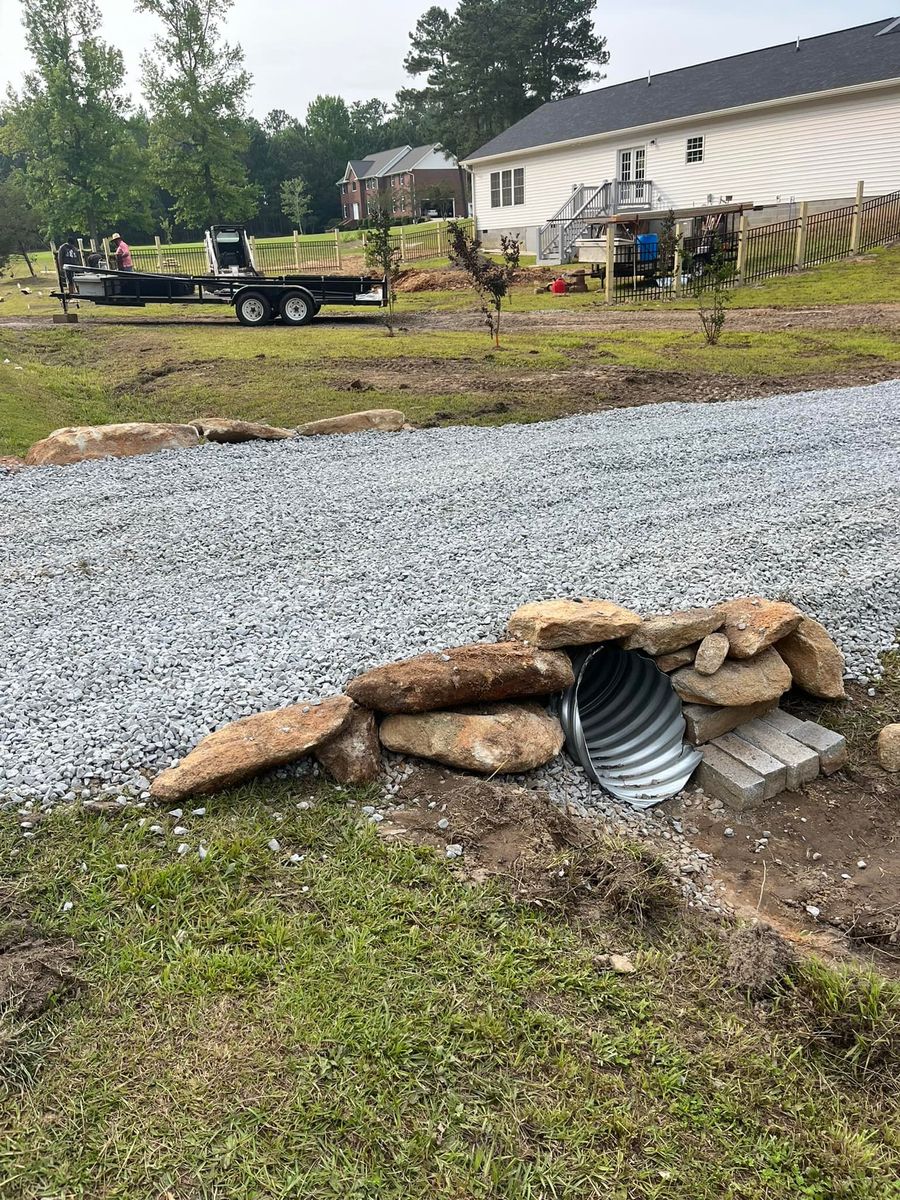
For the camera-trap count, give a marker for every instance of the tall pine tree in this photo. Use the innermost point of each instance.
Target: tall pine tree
(196, 88)
(492, 61)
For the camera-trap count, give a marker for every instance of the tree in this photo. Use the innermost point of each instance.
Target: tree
(68, 131)
(19, 227)
(710, 276)
(196, 87)
(295, 201)
(492, 61)
(383, 253)
(490, 279)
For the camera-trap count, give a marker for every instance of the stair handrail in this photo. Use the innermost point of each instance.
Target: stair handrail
(555, 235)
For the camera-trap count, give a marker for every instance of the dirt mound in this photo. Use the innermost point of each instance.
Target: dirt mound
(449, 279)
(759, 960)
(33, 972)
(520, 839)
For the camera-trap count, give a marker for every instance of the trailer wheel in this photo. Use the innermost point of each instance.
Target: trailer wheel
(298, 308)
(253, 308)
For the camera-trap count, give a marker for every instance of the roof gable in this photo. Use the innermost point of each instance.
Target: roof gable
(865, 54)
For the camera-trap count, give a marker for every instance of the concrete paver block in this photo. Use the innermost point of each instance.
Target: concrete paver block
(773, 772)
(801, 763)
(831, 747)
(705, 722)
(730, 781)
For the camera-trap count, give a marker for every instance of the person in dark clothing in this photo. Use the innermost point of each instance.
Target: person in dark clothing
(68, 255)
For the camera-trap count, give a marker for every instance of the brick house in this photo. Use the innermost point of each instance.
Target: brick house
(420, 181)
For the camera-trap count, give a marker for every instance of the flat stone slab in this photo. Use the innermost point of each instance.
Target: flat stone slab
(773, 772)
(732, 782)
(801, 763)
(705, 722)
(831, 747)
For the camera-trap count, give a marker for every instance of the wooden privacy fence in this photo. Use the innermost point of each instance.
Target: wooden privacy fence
(415, 244)
(749, 253)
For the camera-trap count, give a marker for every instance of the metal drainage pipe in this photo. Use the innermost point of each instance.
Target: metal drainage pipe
(623, 723)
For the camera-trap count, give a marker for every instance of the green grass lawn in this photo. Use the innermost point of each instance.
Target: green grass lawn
(124, 372)
(366, 1024)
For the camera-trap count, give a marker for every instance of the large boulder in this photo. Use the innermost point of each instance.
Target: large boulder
(474, 674)
(815, 661)
(711, 653)
(384, 420)
(753, 623)
(551, 624)
(889, 748)
(253, 745)
(66, 446)
(667, 632)
(9, 463)
(227, 431)
(736, 684)
(491, 739)
(353, 756)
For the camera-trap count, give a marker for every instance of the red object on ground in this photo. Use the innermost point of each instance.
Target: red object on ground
(559, 287)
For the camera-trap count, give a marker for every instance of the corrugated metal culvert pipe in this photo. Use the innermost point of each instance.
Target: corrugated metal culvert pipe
(623, 723)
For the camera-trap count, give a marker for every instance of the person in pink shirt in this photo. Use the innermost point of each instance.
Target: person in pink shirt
(123, 253)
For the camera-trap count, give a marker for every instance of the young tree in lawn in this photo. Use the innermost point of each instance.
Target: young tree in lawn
(295, 202)
(68, 129)
(19, 224)
(490, 279)
(383, 252)
(196, 88)
(710, 279)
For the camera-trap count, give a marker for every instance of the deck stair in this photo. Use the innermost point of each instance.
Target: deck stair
(586, 204)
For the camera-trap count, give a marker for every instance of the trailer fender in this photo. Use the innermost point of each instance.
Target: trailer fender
(297, 306)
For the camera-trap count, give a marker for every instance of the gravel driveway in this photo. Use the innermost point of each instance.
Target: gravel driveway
(146, 601)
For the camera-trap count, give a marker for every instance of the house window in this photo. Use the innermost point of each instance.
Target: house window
(507, 188)
(694, 150)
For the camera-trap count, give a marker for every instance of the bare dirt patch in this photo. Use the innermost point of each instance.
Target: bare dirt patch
(34, 972)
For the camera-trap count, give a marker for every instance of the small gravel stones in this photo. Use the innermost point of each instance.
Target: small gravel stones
(134, 622)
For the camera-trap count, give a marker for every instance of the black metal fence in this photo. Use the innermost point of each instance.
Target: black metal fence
(652, 270)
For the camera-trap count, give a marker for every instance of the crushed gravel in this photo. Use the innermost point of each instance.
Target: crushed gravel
(148, 601)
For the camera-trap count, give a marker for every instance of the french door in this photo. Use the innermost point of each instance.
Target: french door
(632, 167)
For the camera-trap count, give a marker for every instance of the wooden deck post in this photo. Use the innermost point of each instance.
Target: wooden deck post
(857, 218)
(743, 246)
(802, 225)
(158, 244)
(296, 251)
(610, 260)
(678, 265)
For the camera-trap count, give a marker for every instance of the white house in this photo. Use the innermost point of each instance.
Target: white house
(801, 121)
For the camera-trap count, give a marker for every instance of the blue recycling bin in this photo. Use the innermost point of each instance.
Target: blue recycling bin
(647, 247)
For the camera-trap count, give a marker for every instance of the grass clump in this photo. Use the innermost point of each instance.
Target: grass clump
(853, 1015)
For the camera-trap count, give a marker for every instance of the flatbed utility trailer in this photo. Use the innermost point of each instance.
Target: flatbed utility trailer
(233, 279)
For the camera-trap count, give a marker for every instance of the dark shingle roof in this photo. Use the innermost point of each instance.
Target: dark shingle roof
(833, 60)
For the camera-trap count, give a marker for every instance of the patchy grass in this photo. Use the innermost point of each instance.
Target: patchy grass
(365, 1024)
(862, 721)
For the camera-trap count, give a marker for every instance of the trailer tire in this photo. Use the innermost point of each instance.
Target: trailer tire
(297, 308)
(253, 308)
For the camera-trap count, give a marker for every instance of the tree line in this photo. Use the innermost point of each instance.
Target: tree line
(77, 154)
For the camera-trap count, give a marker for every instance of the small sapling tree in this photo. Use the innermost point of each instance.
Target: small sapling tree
(490, 279)
(295, 201)
(709, 286)
(383, 254)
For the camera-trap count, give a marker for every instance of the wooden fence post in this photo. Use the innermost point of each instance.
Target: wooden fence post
(743, 247)
(678, 266)
(402, 243)
(443, 249)
(610, 260)
(253, 248)
(106, 252)
(81, 250)
(296, 251)
(337, 244)
(857, 218)
(800, 247)
(158, 253)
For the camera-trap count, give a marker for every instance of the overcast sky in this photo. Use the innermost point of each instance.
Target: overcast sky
(297, 49)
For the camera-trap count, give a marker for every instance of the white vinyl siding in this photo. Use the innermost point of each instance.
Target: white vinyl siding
(806, 150)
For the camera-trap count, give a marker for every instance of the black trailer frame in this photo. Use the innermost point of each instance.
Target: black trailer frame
(256, 299)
